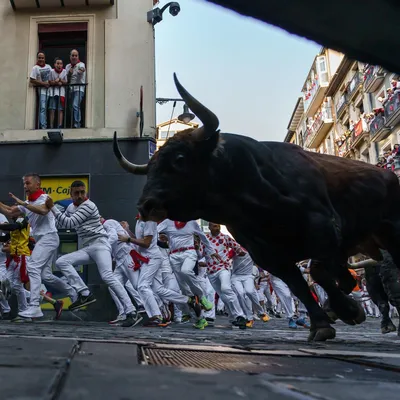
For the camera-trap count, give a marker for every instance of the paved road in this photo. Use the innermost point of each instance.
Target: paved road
(80, 360)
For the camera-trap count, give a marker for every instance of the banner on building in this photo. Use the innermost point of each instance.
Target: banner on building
(58, 187)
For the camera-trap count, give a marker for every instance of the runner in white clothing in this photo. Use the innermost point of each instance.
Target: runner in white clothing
(183, 258)
(150, 277)
(44, 231)
(243, 284)
(84, 217)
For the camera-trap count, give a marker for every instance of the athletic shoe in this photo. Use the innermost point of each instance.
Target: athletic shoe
(82, 301)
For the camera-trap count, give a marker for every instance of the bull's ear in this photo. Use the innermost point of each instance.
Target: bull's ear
(209, 144)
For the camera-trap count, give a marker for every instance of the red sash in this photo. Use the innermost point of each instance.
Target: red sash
(137, 258)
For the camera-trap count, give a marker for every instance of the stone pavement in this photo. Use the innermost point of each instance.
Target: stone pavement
(81, 360)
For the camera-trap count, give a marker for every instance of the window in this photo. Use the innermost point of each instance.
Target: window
(57, 40)
(322, 69)
(165, 134)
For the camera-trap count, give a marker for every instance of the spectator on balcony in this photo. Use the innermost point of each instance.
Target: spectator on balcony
(40, 77)
(76, 72)
(395, 85)
(58, 78)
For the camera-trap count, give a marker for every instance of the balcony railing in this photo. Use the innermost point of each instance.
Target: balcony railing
(341, 105)
(309, 96)
(360, 128)
(323, 116)
(377, 124)
(354, 84)
(60, 106)
(373, 77)
(392, 108)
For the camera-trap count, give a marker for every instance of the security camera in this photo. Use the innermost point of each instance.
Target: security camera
(174, 9)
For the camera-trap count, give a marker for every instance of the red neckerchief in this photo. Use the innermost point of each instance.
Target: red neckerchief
(77, 205)
(73, 65)
(41, 66)
(179, 224)
(59, 71)
(36, 195)
(137, 217)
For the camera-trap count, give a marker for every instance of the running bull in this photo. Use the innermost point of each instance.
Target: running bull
(283, 204)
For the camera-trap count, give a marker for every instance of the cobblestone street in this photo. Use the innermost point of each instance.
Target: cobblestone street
(80, 360)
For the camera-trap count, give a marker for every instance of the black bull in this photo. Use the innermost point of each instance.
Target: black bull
(283, 204)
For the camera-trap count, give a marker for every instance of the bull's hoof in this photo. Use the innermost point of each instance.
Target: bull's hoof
(321, 334)
(359, 318)
(390, 327)
(348, 310)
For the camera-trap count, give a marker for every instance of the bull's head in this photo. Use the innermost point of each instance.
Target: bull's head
(178, 175)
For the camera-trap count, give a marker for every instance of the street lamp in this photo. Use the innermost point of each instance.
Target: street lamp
(156, 15)
(187, 116)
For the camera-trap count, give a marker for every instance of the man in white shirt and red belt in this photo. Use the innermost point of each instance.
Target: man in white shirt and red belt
(183, 258)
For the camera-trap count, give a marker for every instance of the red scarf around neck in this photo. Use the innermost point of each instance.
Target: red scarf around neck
(40, 65)
(73, 65)
(179, 224)
(58, 70)
(36, 195)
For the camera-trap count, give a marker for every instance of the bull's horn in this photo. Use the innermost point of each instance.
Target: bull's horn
(125, 164)
(207, 117)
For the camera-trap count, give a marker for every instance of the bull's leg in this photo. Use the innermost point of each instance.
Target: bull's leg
(344, 307)
(321, 328)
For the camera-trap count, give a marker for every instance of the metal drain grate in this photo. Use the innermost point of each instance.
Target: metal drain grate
(209, 360)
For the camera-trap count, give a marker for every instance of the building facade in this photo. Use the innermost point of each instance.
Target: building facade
(358, 110)
(116, 44)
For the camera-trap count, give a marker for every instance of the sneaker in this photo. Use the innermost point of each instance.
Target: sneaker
(250, 323)
(82, 301)
(141, 310)
(207, 305)
(20, 320)
(129, 321)
(200, 324)
(292, 324)
(185, 319)
(388, 327)
(31, 312)
(120, 318)
(156, 322)
(6, 316)
(193, 304)
(302, 322)
(241, 322)
(256, 317)
(210, 321)
(264, 317)
(58, 308)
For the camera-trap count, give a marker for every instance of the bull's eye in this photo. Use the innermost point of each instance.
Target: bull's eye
(179, 161)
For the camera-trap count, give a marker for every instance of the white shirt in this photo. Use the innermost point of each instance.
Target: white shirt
(183, 238)
(148, 228)
(40, 224)
(41, 74)
(3, 256)
(242, 265)
(58, 90)
(119, 250)
(77, 76)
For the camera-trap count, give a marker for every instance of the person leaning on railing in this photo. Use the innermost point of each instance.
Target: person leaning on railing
(40, 77)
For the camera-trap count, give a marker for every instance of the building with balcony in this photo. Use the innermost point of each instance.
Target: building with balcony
(116, 44)
(167, 129)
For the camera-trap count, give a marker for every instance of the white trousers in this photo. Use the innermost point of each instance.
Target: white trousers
(147, 273)
(170, 282)
(284, 295)
(39, 268)
(264, 294)
(221, 282)
(321, 294)
(98, 252)
(247, 295)
(14, 276)
(4, 306)
(209, 292)
(183, 266)
(166, 294)
(129, 280)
